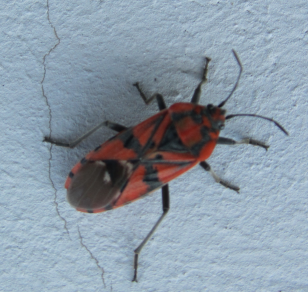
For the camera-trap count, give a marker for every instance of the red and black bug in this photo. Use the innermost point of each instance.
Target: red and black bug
(143, 158)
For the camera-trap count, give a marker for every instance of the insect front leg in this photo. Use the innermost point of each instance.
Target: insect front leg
(110, 125)
(166, 205)
(196, 97)
(159, 98)
(226, 184)
(227, 141)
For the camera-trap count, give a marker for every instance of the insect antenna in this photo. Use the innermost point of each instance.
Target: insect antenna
(261, 117)
(237, 81)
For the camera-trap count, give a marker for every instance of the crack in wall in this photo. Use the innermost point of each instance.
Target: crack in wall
(51, 146)
(50, 118)
(92, 256)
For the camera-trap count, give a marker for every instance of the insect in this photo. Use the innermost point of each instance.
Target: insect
(143, 158)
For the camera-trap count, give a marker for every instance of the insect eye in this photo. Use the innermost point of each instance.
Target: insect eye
(210, 108)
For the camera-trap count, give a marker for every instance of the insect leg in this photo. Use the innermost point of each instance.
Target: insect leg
(196, 97)
(110, 125)
(227, 141)
(226, 184)
(159, 98)
(166, 205)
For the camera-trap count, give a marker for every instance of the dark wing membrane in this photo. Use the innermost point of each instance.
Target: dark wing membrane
(97, 184)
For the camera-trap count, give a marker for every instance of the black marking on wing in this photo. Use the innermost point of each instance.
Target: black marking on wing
(124, 186)
(196, 117)
(130, 141)
(115, 170)
(152, 145)
(151, 177)
(171, 141)
(149, 143)
(176, 117)
(83, 161)
(159, 156)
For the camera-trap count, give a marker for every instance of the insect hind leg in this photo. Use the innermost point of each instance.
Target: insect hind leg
(166, 206)
(196, 97)
(110, 125)
(159, 98)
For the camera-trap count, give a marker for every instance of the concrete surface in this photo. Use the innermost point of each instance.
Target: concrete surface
(65, 66)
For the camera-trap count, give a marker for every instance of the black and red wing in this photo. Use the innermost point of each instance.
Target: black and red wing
(103, 185)
(128, 166)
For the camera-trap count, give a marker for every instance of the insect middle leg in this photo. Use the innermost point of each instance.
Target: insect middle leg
(110, 125)
(159, 98)
(166, 205)
(226, 184)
